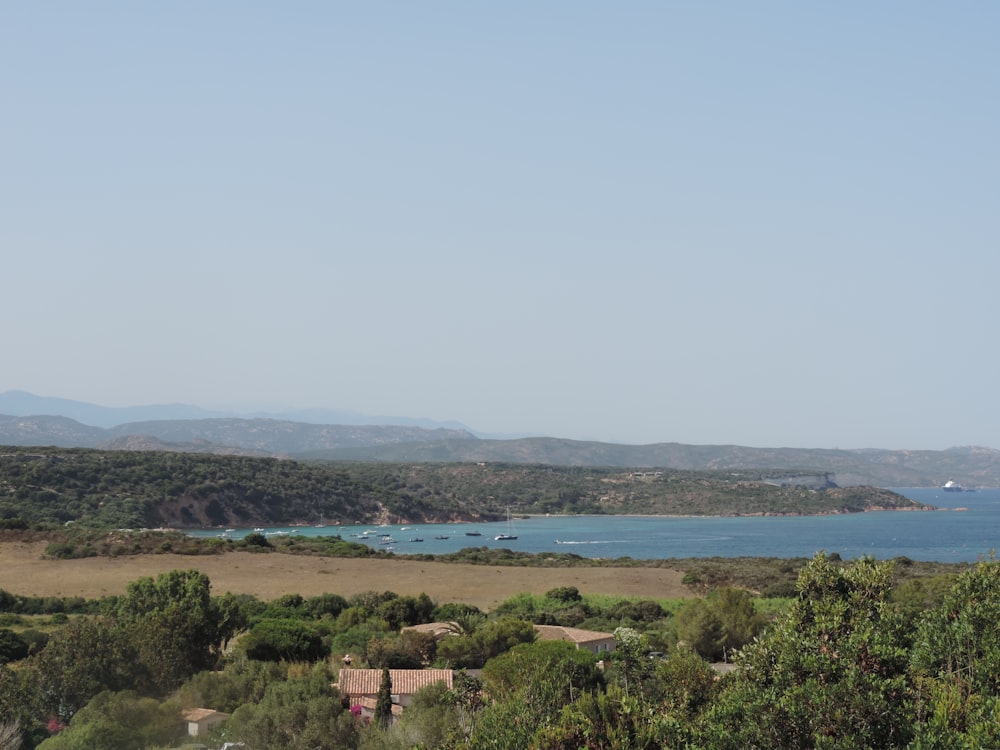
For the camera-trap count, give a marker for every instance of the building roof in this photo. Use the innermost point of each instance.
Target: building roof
(200, 714)
(573, 635)
(437, 629)
(369, 704)
(359, 682)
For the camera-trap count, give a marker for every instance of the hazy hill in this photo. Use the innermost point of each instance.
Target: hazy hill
(24, 404)
(282, 437)
(270, 437)
(971, 466)
(48, 430)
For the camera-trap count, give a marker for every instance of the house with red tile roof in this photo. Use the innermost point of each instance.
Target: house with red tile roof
(359, 684)
(591, 640)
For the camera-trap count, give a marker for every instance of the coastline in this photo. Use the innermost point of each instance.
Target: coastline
(337, 528)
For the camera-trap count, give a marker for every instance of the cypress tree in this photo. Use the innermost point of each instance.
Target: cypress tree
(383, 704)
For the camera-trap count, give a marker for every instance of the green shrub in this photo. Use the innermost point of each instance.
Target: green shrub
(61, 551)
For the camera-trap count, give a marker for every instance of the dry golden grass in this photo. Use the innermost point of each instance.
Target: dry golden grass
(24, 572)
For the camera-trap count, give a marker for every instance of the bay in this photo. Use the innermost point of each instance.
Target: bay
(945, 535)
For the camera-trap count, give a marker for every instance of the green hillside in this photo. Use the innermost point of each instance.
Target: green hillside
(119, 489)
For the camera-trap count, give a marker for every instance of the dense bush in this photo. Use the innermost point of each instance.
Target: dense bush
(44, 605)
(283, 640)
(12, 646)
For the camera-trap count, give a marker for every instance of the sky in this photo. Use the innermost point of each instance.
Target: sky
(769, 224)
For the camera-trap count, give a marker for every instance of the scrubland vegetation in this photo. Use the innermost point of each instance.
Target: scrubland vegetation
(128, 489)
(856, 657)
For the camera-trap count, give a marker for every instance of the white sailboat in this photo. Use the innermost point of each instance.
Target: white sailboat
(510, 532)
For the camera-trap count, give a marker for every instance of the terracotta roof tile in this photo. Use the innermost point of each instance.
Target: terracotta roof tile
(370, 704)
(574, 635)
(200, 714)
(360, 682)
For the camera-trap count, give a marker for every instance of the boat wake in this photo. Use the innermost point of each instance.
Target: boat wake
(593, 541)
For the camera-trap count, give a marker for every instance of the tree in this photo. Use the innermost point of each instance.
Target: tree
(401, 611)
(488, 640)
(86, 657)
(450, 611)
(430, 721)
(531, 668)
(301, 713)
(256, 540)
(960, 639)
(717, 626)
(565, 594)
(956, 663)
(917, 596)
(511, 724)
(431, 718)
(699, 629)
(119, 721)
(410, 650)
(283, 640)
(612, 720)
(232, 618)
(466, 695)
(383, 702)
(175, 624)
(20, 706)
(329, 605)
(420, 646)
(466, 623)
(738, 621)
(686, 683)
(389, 653)
(631, 666)
(644, 611)
(242, 681)
(830, 673)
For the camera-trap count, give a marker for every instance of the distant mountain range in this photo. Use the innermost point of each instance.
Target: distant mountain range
(24, 404)
(29, 420)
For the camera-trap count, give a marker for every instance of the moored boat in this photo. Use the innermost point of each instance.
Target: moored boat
(510, 532)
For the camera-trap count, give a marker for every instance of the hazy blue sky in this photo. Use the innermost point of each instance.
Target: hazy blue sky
(763, 223)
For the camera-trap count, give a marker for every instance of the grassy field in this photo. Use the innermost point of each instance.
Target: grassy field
(24, 572)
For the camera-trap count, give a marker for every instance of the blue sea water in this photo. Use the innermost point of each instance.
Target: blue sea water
(945, 535)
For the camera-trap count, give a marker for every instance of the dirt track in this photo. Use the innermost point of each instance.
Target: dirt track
(22, 571)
